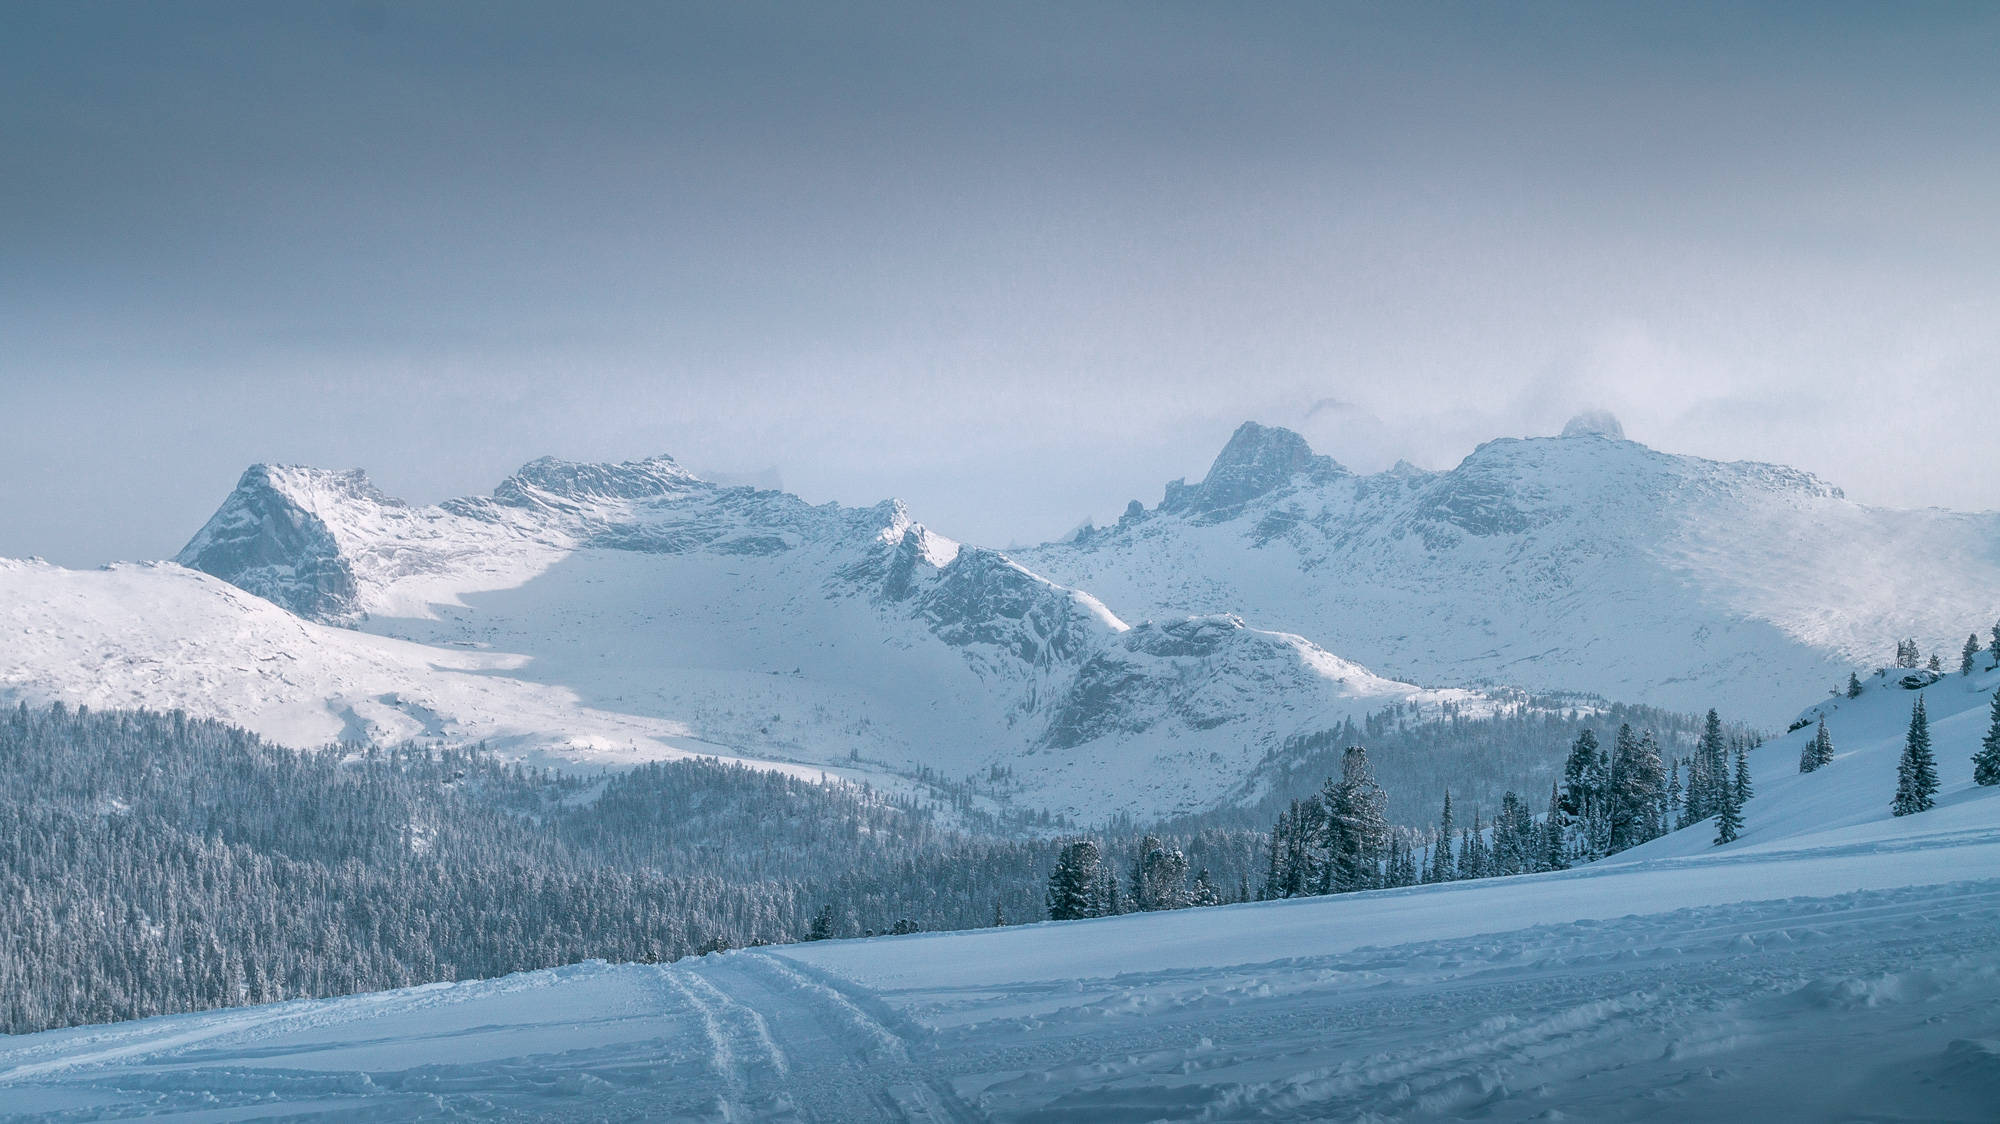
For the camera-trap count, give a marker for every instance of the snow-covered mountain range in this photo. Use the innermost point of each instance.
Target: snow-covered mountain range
(609, 613)
(615, 612)
(1584, 562)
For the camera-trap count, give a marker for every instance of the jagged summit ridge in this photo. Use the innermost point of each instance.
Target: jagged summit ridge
(1580, 562)
(1257, 461)
(545, 478)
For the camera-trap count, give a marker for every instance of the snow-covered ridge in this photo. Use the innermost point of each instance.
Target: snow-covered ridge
(1583, 562)
(750, 620)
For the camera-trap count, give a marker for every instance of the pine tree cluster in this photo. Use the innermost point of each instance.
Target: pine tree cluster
(152, 864)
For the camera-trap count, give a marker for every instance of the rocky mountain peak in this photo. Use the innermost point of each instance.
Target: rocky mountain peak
(1258, 460)
(548, 478)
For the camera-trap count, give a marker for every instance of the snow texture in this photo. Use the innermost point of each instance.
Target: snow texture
(1834, 963)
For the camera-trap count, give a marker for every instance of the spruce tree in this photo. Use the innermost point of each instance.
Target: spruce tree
(1916, 773)
(1743, 789)
(1936, 666)
(1357, 825)
(1554, 856)
(1995, 649)
(1986, 762)
(1076, 888)
(1675, 816)
(1818, 751)
(822, 924)
(1853, 685)
(1970, 655)
(1637, 784)
(1443, 869)
(1728, 818)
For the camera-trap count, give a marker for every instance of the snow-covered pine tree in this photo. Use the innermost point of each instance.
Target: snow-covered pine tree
(1853, 685)
(1274, 880)
(1936, 666)
(1818, 751)
(1986, 762)
(1708, 771)
(1637, 783)
(1509, 855)
(822, 924)
(1204, 891)
(1916, 773)
(1743, 790)
(1554, 856)
(1473, 857)
(1729, 821)
(1728, 816)
(1159, 877)
(1673, 818)
(1907, 654)
(1357, 825)
(1969, 656)
(1402, 861)
(1076, 884)
(1443, 869)
(1995, 648)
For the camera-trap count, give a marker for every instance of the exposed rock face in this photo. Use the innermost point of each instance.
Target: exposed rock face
(1257, 461)
(264, 540)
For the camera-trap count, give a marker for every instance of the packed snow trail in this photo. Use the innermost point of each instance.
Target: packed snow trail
(1836, 963)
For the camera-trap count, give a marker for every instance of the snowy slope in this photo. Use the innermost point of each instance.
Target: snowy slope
(1584, 562)
(657, 605)
(1835, 963)
(161, 637)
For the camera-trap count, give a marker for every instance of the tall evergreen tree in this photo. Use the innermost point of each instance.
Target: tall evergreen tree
(1357, 825)
(1995, 648)
(1636, 787)
(1473, 856)
(1818, 751)
(1728, 817)
(1908, 655)
(1742, 786)
(1159, 877)
(1675, 816)
(1969, 656)
(1443, 869)
(1076, 884)
(1853, 685)
(1916, 773)
(1986, 762)
(1554, 856)
(1708, 771)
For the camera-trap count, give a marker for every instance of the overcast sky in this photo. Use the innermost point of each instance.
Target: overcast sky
(1016, 265)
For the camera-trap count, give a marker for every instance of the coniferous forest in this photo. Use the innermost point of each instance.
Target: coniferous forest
(153, 863)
